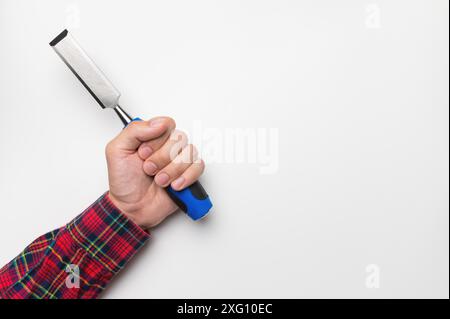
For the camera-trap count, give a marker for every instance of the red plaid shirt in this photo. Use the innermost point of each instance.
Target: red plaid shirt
(77, 260)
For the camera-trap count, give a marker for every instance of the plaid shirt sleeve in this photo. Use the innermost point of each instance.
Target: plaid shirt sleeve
(77, 260)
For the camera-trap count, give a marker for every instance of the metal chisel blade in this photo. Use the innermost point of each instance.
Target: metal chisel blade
(85, 70)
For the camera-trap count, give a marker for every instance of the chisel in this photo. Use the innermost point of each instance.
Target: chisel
(193, 200)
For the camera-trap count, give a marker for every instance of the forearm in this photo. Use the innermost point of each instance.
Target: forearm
(95, 245)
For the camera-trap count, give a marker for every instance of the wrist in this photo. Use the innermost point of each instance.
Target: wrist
(122, 207)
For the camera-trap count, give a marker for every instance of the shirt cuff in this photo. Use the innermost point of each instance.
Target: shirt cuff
(107, 235)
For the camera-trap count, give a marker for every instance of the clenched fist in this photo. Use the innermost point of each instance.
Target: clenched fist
(143, 159)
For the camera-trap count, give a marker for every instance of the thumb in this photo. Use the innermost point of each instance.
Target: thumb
(138, 132)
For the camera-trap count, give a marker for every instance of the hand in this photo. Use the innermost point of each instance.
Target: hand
(143, 159)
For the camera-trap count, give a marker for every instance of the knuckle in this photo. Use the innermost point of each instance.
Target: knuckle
(109, 148)
(202, 166)
(192, 151)
(171, 122)
(172, 152)
(189, 154)
(162, 158)
(178, 135)
(180, 167)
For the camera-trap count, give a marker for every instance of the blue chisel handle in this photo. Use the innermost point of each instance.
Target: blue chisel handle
(193, 200)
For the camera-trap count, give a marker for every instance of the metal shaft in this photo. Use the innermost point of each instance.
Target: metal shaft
(124, 117)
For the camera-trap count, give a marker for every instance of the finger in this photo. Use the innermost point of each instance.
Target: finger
(162, 157)
(138, 132)
(149, 147)
(189, 176)
(177, 167)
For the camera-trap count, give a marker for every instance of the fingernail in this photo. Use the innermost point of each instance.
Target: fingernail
(162, 179)
(145, 152)
(178, 183)
(150, 168)
(156, 122)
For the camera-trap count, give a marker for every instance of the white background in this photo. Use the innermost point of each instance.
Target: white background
(358, 91)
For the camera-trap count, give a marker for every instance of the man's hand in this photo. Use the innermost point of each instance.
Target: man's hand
(143, 159)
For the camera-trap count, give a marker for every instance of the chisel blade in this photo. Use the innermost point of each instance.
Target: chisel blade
(93, 79)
